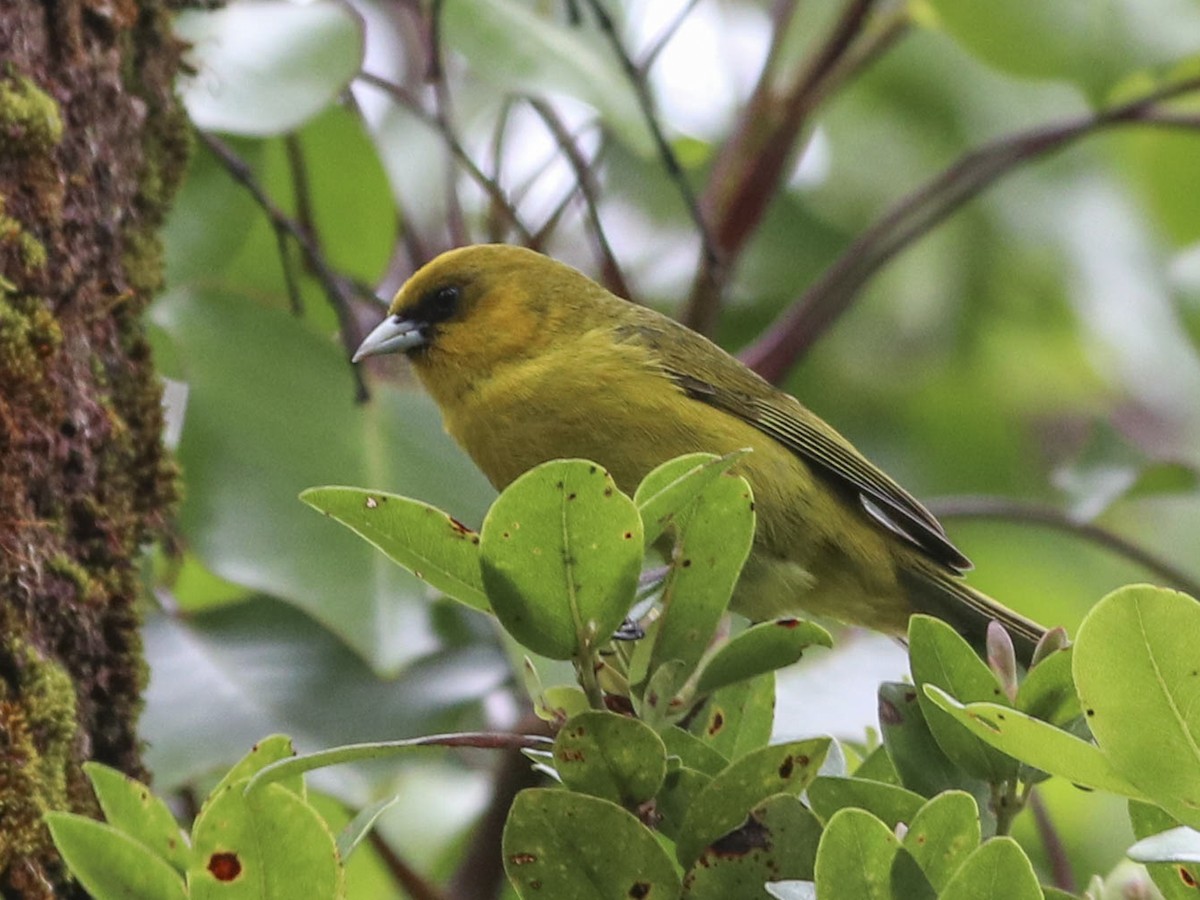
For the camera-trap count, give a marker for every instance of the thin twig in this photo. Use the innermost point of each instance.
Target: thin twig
(290, 282)
(493, 190)
(873, 43)
(610, 269)
(302, 196)
(301, 193)
(338, 288)
(1005, 510)
(495, 230)
(1056, 852)
(666, 153)
(479, 874)
(551, 221)
(406, 876)
(751, 164)
(650, 57)
(829, 296)
(847, 28)
(456, 222)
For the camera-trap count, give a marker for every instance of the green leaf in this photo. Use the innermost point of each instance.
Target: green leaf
(1161, 164)
(559, 702)
(264, 666)
(273, 749)
(854, 859)
(1139, 684)
(1048, 691)
(295, 766)
(610, 756)
(907, 879)
(431, 544)
(738, 719)
(939, 656)
(713, 537)
(510, 45)
(761, 648)
(680, 789)
(561, 844)
(919, 760)
(266, 845)
(293, 433)
(1035, 742)
(943, 833)
(888, 803)
(110, 864)
(130, 807)
(662, 700)
(561, 550)
(671, 487)
(723, 805)
(692, 751)
(360, 826)
(1178, 881)
(1090, 44)
(877, 766)
(778, 841)
(263, 68)
(998, 870)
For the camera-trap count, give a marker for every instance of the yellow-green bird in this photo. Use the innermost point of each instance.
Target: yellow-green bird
(530, 360)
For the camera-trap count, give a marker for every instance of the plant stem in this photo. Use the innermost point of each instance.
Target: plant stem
(1007, 801)
(585, 667)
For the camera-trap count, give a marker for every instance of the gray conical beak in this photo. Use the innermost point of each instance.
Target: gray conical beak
(392, 335)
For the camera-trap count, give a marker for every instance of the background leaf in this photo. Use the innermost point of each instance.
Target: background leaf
(1138, 684)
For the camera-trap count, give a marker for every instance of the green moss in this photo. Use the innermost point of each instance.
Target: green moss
(29, 118)
(29, 335)
(88, 590)
(143, 261)
(37, 734)
(30, 253)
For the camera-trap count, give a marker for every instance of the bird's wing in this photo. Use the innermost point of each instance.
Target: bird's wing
(780, 417)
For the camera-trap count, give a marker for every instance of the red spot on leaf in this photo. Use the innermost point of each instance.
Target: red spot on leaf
(459, 526)
(225, 866)
(787, 766)
(788, 623)
(639, 891)
(717, 723)
(1187, 877)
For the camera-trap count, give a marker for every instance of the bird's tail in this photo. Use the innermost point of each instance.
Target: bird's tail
(969, 611)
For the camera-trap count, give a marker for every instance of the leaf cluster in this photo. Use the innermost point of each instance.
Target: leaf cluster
(664, 781)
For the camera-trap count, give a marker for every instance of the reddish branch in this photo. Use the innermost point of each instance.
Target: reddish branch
(915, 215)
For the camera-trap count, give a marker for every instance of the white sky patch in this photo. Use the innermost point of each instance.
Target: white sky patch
(1122, 295)
(814, 164)
(710, 62)
(836, 692)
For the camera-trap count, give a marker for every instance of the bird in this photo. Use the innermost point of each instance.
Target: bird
(531, 360)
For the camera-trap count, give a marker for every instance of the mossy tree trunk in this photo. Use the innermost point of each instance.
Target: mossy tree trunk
(93, 143)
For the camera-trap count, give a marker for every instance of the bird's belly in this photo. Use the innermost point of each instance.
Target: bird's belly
(801, 559)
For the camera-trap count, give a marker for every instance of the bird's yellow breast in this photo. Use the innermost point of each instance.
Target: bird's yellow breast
(609, 401)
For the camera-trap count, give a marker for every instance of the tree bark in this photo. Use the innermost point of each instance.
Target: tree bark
(93, 144)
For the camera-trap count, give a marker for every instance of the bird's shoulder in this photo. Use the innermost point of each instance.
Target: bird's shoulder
(709, 375)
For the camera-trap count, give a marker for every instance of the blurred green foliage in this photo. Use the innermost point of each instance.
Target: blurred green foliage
(1040, 337)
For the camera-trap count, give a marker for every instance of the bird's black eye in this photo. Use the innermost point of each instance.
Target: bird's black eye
(442, 303)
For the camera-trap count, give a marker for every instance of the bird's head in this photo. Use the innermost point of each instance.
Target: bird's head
(472, 309)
